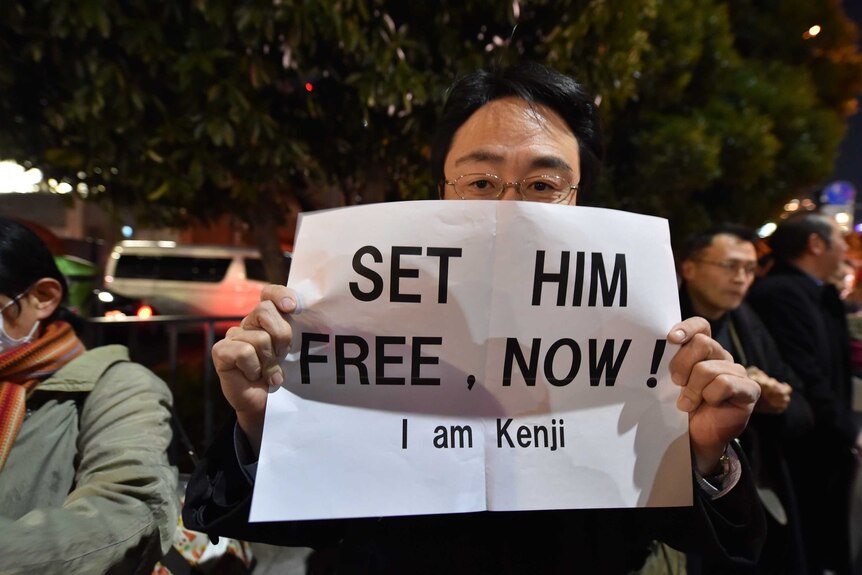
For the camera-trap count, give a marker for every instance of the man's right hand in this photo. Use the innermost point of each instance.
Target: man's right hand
(247, 359)
(774, 395)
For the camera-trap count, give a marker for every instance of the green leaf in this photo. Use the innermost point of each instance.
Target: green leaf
(159, 192)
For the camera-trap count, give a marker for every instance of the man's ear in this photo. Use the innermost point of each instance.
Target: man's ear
(816, 244)
(686, 269)
(46, 296)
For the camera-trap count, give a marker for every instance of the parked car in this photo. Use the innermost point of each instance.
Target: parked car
(112, 305)
(175, 279)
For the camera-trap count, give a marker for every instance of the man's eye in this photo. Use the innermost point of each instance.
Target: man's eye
(483, 184)
(544, 184)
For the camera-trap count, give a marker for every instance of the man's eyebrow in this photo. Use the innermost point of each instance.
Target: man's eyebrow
(551, 162)
(479, 156)
(547, 162)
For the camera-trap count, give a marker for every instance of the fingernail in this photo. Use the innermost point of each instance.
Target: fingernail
(679, 334)
(276, 379)
(288, 304)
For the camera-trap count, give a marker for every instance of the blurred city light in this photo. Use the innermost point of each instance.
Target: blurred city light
(309, 87)
(842, 218)
(811, 32)
(127, 231)
(57, 187)
(145, 312)
(766, 230)
(791, 206)
(16, 179)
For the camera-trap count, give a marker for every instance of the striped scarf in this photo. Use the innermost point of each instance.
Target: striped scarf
(21, 371)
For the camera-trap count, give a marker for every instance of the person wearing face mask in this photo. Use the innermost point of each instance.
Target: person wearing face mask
(7, 342)
(85, 484)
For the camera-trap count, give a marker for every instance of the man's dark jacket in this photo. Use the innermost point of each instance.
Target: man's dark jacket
(764, 438)
(808, 322)
(730, 529)
(760, 349)
(809, 325)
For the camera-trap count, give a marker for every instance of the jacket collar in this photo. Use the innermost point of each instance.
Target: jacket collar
(82, 373)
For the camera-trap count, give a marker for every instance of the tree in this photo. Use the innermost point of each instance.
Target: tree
(734, 112)
(186, 112)
(189, 112)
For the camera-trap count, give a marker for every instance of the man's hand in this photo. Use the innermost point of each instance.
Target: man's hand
(716, 393)
(774, 395)
(247, 359)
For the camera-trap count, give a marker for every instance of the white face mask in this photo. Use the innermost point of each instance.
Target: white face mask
(7, 342)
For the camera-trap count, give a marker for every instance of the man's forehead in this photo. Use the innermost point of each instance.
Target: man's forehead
(511, 116)
(512, 125)
(730, 243)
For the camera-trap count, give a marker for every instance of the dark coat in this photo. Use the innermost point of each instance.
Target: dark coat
(809, 325)
(765, 434)
(582, 541)
(759, 349)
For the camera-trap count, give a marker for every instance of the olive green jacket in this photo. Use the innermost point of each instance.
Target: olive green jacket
(87, 487)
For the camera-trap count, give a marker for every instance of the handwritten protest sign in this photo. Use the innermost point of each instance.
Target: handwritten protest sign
(465, 356)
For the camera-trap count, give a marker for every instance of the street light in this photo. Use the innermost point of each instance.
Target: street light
(811, 32)
(17, 179)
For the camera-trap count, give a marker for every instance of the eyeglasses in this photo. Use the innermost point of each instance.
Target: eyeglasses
(733, 266)
(547, 188)
(12, 301)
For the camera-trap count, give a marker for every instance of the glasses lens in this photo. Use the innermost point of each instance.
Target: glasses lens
(548, 189)
(478, 186)
(734, 266)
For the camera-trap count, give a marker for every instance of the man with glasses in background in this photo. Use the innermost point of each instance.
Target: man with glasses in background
(717, 268)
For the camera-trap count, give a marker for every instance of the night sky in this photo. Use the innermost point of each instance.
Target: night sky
(849, 164)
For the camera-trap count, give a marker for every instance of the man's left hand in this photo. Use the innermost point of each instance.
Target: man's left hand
(716, 392)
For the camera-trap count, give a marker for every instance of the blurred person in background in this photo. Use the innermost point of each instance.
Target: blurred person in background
(844, 280)
(807, 319)
(85, 484)
(718, 267)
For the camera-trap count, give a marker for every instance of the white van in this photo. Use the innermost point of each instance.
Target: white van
(179, 279)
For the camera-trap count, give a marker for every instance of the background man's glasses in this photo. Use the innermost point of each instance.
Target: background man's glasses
(733, 266)
(547, 189)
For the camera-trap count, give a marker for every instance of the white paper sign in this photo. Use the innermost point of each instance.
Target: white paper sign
(464, 356)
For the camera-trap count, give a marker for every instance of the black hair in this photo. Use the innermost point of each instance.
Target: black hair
(696, 243)
(535, 84)
(790, 239)
(24, 260)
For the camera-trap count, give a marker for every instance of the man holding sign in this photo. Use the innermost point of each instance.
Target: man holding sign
(524, 133)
